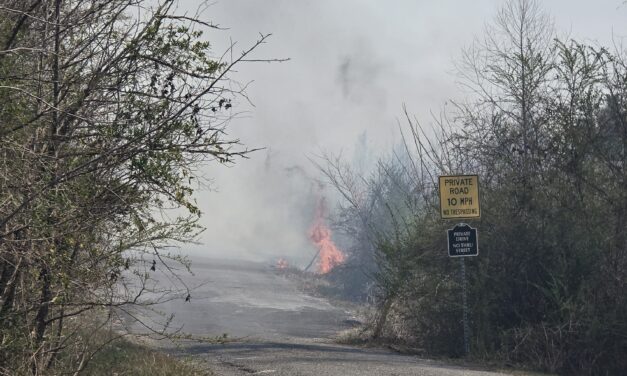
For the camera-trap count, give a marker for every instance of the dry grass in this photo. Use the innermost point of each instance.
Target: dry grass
(126, 358)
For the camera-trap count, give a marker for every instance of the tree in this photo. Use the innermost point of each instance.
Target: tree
(544, 126)
(389, 215)
(108, 109)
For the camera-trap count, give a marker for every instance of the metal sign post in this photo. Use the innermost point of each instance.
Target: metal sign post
(462, 243)
(459, 199)
(465, 308)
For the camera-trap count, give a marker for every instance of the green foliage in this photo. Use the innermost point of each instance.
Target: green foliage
(106, 115)
(546, 130)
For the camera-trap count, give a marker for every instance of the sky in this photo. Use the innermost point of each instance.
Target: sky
(353, 65)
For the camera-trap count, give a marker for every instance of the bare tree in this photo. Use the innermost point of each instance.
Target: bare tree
(544, 127)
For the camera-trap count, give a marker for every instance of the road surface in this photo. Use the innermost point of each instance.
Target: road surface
(282, 330)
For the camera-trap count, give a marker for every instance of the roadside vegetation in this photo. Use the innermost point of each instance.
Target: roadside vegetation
(124, 357)
(107, 110)
(544, 125)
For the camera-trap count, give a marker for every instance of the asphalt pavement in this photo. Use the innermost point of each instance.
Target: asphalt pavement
(278, 329)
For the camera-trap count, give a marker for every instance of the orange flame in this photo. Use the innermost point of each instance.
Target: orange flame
(329, 255)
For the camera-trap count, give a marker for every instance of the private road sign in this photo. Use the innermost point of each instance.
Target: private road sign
(459, 197)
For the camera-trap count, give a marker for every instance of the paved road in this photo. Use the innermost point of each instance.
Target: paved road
(283, 330)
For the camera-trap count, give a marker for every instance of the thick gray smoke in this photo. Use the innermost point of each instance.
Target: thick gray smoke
(353, 64)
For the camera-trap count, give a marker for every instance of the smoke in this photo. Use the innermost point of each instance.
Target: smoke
(260, 210)
(359, 74)
(340, 93)
(353, 64)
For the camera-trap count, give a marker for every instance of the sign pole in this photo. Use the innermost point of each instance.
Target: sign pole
(459, 199)
(465, 308)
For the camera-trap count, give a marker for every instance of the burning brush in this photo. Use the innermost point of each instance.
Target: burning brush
(329, 256)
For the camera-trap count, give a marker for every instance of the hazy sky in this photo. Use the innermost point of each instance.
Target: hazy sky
(353, 65)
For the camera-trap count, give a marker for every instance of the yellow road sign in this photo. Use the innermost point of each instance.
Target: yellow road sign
(459, 196)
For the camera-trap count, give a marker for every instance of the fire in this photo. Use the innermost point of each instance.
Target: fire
(282, 264)
(329, 256)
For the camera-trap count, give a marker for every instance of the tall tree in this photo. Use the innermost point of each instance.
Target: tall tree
(544, 127)
(108, 109)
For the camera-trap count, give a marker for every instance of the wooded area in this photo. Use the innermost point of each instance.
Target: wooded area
(108, 108)
(545, 128)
